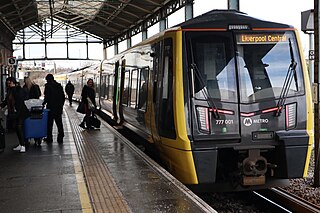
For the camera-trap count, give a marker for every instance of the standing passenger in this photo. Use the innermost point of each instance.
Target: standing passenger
(16, 107)
(54, 98)
(69, 90)
(33, 90)
(88, 92)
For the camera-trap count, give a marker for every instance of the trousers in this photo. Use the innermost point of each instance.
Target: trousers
(57, 118)
(19, 131)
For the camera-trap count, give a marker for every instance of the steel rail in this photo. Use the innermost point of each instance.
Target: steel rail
(289, 201)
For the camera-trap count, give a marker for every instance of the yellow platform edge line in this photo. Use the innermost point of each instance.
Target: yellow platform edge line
(82, 187)
(86, 205)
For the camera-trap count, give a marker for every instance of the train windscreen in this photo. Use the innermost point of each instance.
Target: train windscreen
(264, 62)
(213, 61)
(257, 66)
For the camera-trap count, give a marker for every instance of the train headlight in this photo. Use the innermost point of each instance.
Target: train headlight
(203, 119)
(291, 116)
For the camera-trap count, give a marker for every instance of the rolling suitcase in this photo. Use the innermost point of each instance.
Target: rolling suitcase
(36, 125)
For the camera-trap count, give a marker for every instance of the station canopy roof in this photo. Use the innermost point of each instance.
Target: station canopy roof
(103, 18)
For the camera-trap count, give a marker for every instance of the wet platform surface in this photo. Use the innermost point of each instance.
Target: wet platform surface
(92, 171)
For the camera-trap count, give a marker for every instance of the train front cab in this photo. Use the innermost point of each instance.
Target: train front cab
(251, 124)
(238, 141)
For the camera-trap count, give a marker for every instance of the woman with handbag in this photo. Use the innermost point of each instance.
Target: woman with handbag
(88, 95)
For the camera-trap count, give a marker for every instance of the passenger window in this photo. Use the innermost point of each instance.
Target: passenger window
(143, 89)
(125, 97)
(104, 86)
(110, 87)
(97, 86)
(133, 89)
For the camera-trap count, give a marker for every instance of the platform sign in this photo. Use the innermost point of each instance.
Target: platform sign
(307, 21)
(311, 54)
(12, 61)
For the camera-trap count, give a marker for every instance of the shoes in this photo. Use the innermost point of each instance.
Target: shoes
(60, 139)
(17, 148)
(82, 125)
(20, 148)
(23, 149)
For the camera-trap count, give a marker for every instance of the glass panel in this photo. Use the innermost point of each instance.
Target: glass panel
(212, 55)
(133, 92)
(143, 89)
(263, 61)
(110, 87)
(126, 88)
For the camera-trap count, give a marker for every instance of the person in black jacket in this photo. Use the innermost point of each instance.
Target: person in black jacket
(69, 90)
(33, 90)
(88, 94)
(16, 107)
(54, 99)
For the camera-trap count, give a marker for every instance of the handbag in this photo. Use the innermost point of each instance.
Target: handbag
(94, 121)
(81, 108)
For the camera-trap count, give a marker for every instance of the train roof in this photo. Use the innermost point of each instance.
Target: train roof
(224, 18)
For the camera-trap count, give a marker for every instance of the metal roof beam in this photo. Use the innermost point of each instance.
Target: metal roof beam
(135, 6)
(120, 9)
(165, 11)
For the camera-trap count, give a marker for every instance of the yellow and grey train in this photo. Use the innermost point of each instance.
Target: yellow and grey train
(224, 97)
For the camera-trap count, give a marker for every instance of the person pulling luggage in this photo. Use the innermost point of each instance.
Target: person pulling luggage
(16, 107)
(54, 99)
(88, 95)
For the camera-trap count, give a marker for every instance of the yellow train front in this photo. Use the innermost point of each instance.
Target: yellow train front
(224, 97)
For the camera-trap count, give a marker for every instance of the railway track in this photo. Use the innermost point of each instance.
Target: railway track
(274, 199)
(287, 201)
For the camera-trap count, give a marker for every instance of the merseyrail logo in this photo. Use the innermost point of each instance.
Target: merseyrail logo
(262, 38)
(247, 121)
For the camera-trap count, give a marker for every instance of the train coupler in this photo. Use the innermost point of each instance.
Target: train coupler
(254, 168)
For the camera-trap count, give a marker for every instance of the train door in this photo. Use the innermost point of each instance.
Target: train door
(163, 91)
(121, 90)
(115, 91)
(214, 89)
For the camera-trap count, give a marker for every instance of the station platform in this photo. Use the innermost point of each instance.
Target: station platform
(92, 171)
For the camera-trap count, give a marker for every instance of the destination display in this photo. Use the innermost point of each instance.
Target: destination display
(261, 38)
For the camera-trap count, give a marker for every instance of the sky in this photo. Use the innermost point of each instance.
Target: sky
(282, 11)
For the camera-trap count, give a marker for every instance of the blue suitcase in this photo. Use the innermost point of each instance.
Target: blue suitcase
(36, 125)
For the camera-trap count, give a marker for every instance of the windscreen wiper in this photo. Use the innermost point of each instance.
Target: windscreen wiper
(291, 73)
(209, 99)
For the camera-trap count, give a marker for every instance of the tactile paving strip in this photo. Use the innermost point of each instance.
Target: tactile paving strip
(105, 195)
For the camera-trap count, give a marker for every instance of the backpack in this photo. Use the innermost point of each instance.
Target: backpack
(60, 93)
